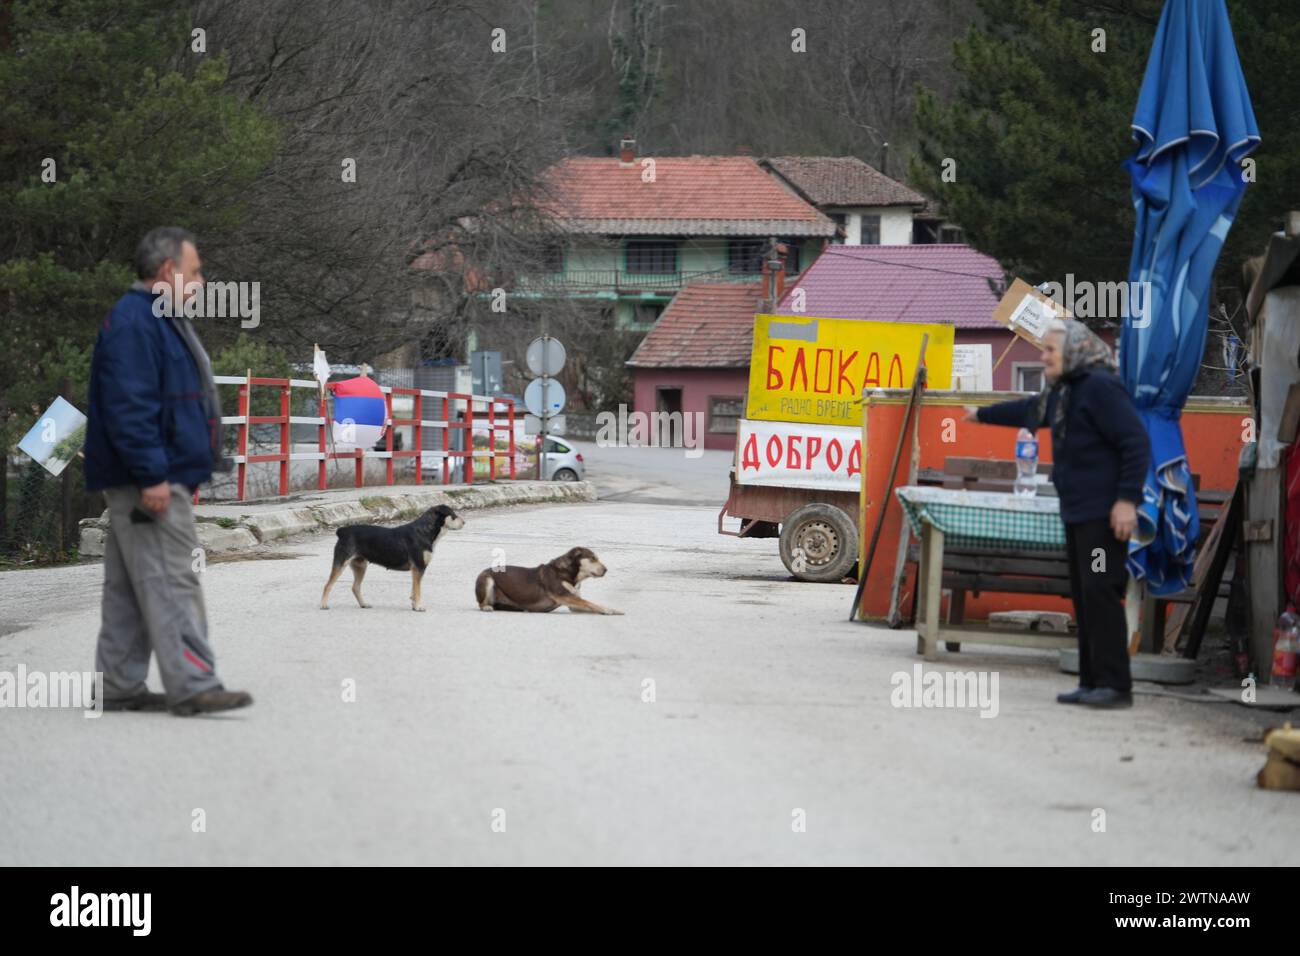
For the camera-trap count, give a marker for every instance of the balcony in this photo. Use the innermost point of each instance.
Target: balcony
(611, 282)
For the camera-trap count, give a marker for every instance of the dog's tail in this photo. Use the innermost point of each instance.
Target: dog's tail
(485, 590)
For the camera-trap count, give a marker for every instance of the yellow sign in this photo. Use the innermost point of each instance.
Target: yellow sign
(805, 369)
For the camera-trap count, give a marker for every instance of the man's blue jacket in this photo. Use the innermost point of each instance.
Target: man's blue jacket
(148, 419)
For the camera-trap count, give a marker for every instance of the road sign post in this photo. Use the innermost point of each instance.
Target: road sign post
(544, 397)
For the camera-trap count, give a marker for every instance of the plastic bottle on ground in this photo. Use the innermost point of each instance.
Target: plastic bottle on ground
(1285, 636)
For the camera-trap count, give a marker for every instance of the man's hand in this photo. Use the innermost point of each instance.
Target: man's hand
(156, 497)
(972, 414)
(1123, 520)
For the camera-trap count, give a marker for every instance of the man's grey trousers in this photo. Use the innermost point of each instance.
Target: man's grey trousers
(153, 600)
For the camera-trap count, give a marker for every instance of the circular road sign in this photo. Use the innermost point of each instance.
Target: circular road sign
(554, 398)
(545, 356)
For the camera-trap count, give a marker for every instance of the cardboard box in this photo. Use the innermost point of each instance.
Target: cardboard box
(1027, 312)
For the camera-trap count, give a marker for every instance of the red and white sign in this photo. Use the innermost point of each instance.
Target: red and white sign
(797, 455)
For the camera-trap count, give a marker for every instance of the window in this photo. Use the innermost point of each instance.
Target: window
(724, 414)
(791, 256)
(651, 256)
(841, 223)
(1027, 377)
(746, 255)
(646, 314)
(552, 257)
(870, 231)
(554, 447)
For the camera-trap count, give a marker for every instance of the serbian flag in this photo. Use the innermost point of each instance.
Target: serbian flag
(359, 413)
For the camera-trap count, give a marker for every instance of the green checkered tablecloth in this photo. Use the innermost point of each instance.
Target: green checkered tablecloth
(982, 519)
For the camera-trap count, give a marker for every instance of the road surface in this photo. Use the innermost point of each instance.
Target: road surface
(732, 716)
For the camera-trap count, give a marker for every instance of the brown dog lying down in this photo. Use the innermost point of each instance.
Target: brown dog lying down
(543, 588)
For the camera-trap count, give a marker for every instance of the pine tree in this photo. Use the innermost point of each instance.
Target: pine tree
(1040, 128)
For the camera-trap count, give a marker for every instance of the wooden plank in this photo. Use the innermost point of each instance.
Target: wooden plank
(1001, 584)
(1287, 427)
(932, 569)
(1263, 505)
(894, 618)
(960, 467)
(980, 634)
(1184, 599)
(985, 565)
(1199, 615)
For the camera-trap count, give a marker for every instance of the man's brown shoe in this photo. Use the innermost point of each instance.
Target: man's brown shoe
(211, 701)
(146, 700)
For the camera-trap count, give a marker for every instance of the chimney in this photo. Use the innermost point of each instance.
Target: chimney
(774, 272)
(627, 151)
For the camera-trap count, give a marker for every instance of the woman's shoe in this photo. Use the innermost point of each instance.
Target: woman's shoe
(1107, 698)
(1074, 696)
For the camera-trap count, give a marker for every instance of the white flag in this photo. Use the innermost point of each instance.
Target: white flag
(321, 368)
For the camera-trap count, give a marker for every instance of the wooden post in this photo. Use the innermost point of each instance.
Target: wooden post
(904, 538)
(1263, 531)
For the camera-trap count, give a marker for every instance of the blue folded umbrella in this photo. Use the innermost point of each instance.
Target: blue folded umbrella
(1193, 125)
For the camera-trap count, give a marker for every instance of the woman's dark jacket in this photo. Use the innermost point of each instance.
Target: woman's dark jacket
(1103, 454)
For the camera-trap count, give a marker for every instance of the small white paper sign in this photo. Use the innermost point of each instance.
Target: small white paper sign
(972, 367)
(1033, 316)
(56, 438)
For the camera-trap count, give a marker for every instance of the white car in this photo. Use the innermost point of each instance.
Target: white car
(563, 462)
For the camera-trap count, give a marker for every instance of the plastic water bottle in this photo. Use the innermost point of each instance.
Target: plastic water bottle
(1026, 464)
(1285, 636)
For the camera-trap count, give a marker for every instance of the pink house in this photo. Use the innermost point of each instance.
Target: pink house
(952, 284)
(696, 358)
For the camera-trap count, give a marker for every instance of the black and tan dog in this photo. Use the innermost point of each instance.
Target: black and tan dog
(543, 588)
(405, 548)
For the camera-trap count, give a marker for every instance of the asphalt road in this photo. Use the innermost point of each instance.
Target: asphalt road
(507, 738)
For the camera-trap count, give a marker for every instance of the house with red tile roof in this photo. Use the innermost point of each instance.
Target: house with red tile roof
(639, 229)
(869, 207)
(696, 359)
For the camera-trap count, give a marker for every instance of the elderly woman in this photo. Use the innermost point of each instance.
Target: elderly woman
(1100, 454)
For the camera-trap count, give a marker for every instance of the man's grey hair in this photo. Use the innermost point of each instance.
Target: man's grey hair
(157, 247)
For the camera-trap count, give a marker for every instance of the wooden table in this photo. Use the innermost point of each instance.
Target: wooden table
(984, 520)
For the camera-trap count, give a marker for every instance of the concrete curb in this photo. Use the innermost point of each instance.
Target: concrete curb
(250, 530)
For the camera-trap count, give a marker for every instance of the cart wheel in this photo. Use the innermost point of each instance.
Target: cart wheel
(953, 646)
(819, 542)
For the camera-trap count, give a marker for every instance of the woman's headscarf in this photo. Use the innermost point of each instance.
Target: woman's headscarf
(1081, 351)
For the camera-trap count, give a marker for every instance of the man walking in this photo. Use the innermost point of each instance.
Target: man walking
(152, 438)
